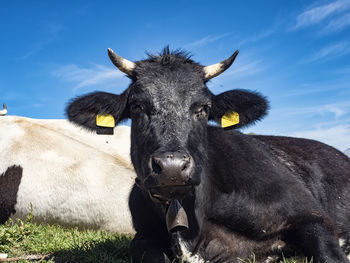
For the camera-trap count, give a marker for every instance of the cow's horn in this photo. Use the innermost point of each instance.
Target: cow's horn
(122, 64)
(4, 111)
(216, 69)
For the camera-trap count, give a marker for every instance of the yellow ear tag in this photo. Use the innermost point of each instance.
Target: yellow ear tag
(229, 119)
(105, 120)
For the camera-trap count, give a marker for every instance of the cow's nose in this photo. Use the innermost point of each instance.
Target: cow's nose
(172, 168)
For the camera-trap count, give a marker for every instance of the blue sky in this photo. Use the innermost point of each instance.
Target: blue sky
(297, 53)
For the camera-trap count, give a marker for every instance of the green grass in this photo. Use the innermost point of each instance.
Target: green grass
(58, 244)
(54, 243)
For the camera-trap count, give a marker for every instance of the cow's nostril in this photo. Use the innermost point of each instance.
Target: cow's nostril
(156, 168)
(171, 168)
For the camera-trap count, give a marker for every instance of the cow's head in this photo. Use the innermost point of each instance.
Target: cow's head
(170, 105)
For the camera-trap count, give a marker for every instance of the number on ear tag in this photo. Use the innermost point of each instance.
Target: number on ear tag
(229, 119)
(105, 120)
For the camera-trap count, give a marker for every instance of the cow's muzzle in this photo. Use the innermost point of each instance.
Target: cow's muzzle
(170, 175)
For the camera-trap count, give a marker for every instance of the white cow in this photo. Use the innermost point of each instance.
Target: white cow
(70, 176)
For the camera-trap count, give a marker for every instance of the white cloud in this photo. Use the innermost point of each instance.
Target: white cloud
(337, 136)
(338, 82)
(338, 24)
(307, 89)
(257, 37)
(84, 77)
(205, 40)
(329, 124)
(245, 69)
(338, 109)
(51, 32)
(329, 52)
(320, 13)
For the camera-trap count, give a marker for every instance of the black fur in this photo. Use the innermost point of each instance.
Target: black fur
(250, 194)
(84, 109)
(168, 56)
(250, 106)
(9, 184)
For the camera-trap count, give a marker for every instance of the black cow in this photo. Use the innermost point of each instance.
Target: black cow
(207, 194)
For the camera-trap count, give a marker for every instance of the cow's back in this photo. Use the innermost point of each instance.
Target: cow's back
(70, 176)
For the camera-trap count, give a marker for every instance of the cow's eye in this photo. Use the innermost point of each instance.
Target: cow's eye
(137, 107)
(202, 111)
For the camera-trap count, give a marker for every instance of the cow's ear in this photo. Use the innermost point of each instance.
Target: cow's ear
(238, 108)
(88, 110)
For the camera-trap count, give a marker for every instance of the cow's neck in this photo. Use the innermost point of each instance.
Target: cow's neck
(186, 244)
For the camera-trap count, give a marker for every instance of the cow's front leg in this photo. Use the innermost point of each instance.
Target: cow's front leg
(317, 240)
(146, 250)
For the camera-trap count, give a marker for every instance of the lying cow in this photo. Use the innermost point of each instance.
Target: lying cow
(207, 194)
(70, 176)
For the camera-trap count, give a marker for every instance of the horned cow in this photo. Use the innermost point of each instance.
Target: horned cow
(207, 194)
(69, 176)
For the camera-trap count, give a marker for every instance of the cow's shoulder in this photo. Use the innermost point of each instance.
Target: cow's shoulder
(232, 147)
(246, 177)
(243, 163)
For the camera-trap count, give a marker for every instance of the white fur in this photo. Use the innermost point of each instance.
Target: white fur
(70, 176)
(342, 242)
(271, 259)
(187, 256)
